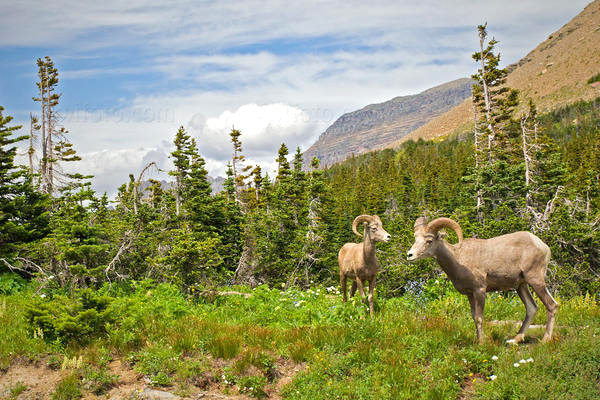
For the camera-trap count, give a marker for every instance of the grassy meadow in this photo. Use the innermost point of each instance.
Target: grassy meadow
(295, 344)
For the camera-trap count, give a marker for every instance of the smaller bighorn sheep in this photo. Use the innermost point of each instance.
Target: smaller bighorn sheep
(477, 266)
(358, 260)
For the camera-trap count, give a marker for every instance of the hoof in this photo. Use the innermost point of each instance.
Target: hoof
(546, 339)
(519, 338)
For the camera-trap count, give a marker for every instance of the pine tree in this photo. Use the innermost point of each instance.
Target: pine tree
(241, 172)
(23, 211)
(497, 179)
(181, 160)
(56, 149)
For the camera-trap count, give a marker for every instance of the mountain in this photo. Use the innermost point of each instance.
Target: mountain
(554, 74)
(378, 125)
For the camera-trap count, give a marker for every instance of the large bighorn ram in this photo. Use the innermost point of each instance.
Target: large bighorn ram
(477, 266)
(358, 260)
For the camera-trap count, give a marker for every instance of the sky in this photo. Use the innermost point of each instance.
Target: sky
(132, 72)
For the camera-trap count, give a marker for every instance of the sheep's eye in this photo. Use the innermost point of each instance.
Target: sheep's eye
(429, 241)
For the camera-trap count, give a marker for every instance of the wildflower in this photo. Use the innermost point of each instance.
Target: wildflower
(43, 295)
(484, 360)
(470, 374)
(495, 358)
(516, 365)
(530, 360)
(521, 361)
(511, 341)
(474, 380)
(493, 377)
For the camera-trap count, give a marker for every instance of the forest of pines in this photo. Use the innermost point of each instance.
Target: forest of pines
(516, 170)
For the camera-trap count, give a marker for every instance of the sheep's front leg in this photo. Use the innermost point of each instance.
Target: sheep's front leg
(343, 284)
(360, 286)
(353, 289)
(371, 298)
(477, 302)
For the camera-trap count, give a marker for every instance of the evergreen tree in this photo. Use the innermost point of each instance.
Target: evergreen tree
(56, 149)
(23, 211)
(241, 172)
(181, 160)
(496, 182)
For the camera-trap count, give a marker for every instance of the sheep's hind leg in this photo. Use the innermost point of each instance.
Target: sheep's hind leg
(551, 306)
(530, 310)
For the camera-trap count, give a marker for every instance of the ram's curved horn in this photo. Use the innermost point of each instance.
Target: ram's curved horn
(439, 223)
(421, 221)
(359, 219)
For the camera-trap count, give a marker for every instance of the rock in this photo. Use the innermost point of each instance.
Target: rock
(153, 394)
(377, 125)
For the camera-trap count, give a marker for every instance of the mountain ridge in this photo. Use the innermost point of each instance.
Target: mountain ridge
(553, 74)
(375, 125)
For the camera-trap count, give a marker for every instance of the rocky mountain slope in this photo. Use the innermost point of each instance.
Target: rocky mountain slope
(554, 74)
(378, 125)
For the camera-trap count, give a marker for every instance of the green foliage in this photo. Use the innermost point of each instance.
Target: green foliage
(11, 283)
(595, 78)
(422, 344)
(66, 319)
(16, 390)
(158, 363)
(69, 388)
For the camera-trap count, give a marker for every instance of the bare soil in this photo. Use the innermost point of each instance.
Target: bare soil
(41, 381)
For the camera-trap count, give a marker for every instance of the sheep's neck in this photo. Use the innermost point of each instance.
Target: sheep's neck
(460, 275)
(369, 245)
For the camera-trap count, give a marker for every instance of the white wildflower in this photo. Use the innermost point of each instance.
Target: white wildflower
(529, 360)
(495, 358)
(43, 295)
(493, 377)
(511, 341)
(521, 361)
(516, 365)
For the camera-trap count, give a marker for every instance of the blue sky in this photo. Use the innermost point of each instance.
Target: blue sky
(279, 71)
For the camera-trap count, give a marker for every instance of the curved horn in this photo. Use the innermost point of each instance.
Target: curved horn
(439, 223)
(421, 221)
(359, 219)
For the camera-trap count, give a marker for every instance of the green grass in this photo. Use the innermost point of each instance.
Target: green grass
(595, 78)
(415, 347)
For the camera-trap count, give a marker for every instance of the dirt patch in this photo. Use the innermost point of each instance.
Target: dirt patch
(41, 382)
(468, 386)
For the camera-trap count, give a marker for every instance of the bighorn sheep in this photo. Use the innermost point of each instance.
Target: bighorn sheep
(477, 266)
(358, 260)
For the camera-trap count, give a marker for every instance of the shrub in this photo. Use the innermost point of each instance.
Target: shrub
(68, 389)
(11, 283)
(67, 319)
(158, 363)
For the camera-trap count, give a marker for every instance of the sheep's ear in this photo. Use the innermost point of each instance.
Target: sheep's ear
(442, 235)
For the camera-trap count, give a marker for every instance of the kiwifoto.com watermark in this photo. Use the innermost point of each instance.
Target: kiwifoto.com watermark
(88, 114)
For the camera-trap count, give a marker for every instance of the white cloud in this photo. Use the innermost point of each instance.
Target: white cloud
(263, 127)
(111, 168)
(284, 70)
(109, 141)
